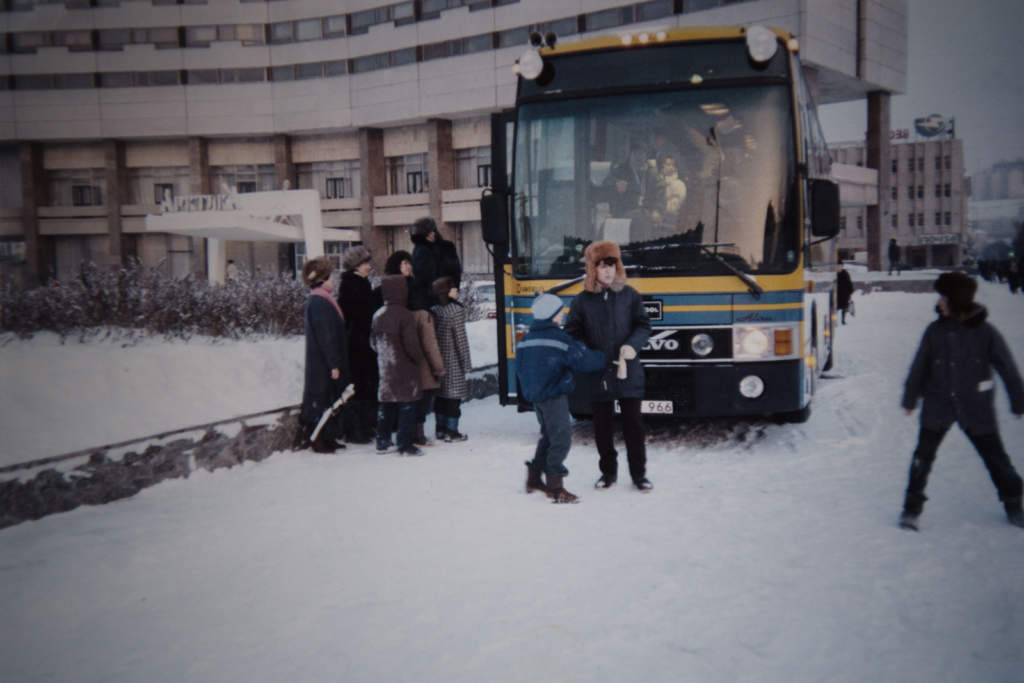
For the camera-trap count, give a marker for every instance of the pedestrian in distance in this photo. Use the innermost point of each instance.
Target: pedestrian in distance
(359, 301)
(327, 369)
(894, 256)
(450, 325)
(546, 359)
(394, 338)
(844, 291)
(432, 365)
(609, 316)
(952, 371)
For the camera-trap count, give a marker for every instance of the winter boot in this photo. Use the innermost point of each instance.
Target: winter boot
(411, 450)
(1014, 511)
(643, 484)
(420, 437)
(908, 520)
(605, 482)
(557, 493)
(533, 479)
(452, 433)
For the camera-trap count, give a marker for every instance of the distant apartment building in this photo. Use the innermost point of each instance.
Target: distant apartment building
(996, 207)
(923, 199)
(108, 107)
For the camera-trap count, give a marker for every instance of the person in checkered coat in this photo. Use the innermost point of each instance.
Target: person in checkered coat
(450, 317)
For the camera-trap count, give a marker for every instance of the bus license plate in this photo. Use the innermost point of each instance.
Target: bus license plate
(651, 407)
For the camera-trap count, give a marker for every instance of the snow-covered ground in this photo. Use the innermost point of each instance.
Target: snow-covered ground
(765, 552)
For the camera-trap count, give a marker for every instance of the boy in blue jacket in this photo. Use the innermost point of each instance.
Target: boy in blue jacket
(545, 361)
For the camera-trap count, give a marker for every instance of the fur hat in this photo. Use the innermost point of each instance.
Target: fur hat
(597, 252)
(546, 306)
(355, 257)
(959, 289)
(317, 271)
(423, 227)
(442, 286)
(393, 266)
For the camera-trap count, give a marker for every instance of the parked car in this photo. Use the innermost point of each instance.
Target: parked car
(483, 299)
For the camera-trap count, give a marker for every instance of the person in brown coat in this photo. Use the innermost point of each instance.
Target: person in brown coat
(399, 354)
(432, 367)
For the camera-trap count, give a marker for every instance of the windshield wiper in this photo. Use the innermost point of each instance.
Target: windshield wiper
(755, 289)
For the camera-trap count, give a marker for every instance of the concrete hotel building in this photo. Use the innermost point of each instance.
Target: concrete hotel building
(383, 108)
(924, 192)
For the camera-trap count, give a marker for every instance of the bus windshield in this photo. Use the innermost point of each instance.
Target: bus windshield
(681, 180)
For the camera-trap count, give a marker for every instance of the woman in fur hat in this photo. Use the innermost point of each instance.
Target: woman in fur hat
(952, 371)
(432, 257)
(326, 354)
(608, 316)
(358, 302)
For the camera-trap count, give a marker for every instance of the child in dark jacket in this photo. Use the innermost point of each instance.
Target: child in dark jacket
(545, 361)
(952, 370)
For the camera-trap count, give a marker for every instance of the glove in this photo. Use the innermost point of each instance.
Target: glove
(626, 353)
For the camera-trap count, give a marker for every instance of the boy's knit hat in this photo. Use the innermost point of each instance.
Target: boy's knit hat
(959, 289)
(546, 306)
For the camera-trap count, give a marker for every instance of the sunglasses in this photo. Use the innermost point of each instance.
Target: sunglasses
(610, 261)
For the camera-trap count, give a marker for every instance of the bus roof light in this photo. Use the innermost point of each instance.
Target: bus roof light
(761, 43)
(530, 64)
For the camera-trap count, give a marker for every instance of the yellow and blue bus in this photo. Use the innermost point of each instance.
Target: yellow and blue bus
(698, 151)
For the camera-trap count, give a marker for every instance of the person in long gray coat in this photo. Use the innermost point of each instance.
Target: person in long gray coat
(450, 315)
(952, 371)
(609, 316)
(395, 340)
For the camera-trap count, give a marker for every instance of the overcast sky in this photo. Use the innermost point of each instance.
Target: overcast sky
(966, 61)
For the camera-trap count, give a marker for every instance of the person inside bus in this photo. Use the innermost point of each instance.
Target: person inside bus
(629, 182)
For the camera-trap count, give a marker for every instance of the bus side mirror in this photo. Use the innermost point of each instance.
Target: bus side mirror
(824, 208)
(494, 217)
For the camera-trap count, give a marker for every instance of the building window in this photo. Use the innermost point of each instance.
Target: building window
(938, 190)
(162, 191)
(946, 189)
(406, 174)
(910, 191)
(947, 218)
(311, 70)
(281, 32)
(336, 68)
(860, 224)
(86, 195)
(309, 29)
(332, 179)
(334, 27)
(657, 9)
(241, 179)
(200, 36)
(938, 218)
(938, 163)
(609, 18)
(920, 163)
(894, 221)
(949, 162)
(414, 182)
(473, 167)
(920, 219)
(920, 191)
(910, 220)
(895, 165)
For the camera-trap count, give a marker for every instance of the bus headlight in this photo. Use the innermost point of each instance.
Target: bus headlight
(761, 43)
(702, 344)
(531, 64)
(751, 386)
(752, 342)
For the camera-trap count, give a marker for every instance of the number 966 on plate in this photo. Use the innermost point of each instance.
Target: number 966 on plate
(648, 407)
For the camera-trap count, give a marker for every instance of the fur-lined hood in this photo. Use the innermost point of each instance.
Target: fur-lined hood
(596, 252)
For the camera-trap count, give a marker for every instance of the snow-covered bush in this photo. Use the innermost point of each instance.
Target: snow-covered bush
(135, 300)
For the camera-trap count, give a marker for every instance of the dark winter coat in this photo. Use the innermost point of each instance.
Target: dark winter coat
(430, 261)
(952, 370)
(844, 289)
(450, 325)
(546, 359)
(326, 349)
(394, 338)
(605, 318)
(358, 301)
